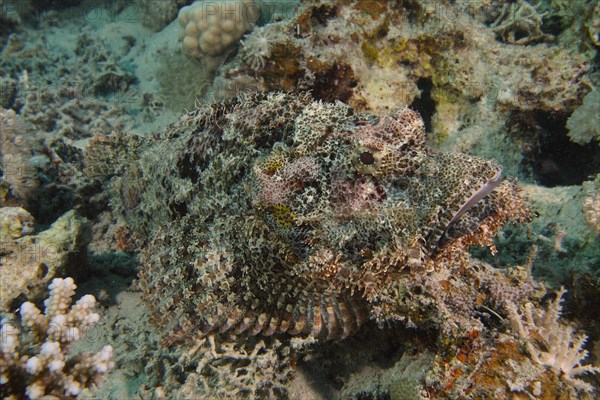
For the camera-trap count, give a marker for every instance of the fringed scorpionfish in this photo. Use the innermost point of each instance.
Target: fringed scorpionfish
(279, 214)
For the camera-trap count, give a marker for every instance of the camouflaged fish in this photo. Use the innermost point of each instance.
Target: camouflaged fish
(280, 214)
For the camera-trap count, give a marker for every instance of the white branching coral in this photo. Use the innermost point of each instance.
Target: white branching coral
(551, 343)
(35, 358)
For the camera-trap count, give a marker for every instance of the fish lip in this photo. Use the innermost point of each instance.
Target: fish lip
(475, 198)
(479, 195)
(498, 177)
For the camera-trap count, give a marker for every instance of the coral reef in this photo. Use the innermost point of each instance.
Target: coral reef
(352, 48)
(519, 23)
(537, 358)
(566, 243)
(34, 356)
(295, 245)
(575, 24)
(59, 88)
(74, 87)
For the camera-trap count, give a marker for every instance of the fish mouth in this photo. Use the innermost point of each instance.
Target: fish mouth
(475, 198)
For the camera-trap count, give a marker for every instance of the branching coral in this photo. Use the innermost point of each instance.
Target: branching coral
(551, 343)
(34, 357)
(520, 23)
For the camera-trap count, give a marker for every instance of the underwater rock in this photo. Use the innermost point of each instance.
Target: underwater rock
(30, 262)
(157, 14)
(15, 222)
(584, 123)
(276, 213)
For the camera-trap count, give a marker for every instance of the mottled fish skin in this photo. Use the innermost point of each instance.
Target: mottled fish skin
(301, 225)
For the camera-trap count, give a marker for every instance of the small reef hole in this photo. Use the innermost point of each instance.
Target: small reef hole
(553, 159)
(424, 104)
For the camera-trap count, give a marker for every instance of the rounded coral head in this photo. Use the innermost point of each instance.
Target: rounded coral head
(210, 29)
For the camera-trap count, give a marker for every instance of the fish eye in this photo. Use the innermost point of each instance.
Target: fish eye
(367, 158)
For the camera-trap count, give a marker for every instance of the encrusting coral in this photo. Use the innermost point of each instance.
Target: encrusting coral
(35, 361)
(376, 56)
(584, 123)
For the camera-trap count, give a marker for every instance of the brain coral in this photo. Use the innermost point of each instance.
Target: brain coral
(275, 213)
